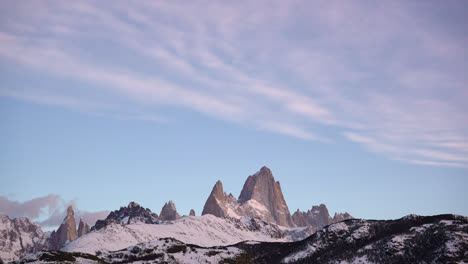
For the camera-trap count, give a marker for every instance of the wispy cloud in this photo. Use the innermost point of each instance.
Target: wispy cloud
(48, 211)
(381, 74)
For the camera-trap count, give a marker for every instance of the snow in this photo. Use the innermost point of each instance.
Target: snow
(357, 260)
(188, 255)
(206, 231)
(421, 228)
(338, 226)
(362, 231)
(124, 220)
(310, 249)
(256, 206)
(446, 222)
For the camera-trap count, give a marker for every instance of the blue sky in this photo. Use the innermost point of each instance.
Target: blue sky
(359, 105)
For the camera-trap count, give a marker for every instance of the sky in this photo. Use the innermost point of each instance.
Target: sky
(362, 105)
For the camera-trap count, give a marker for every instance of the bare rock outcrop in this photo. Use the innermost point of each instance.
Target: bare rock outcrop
(169, 212)
(18, 237)
(83, 228)
(66, 232)
(132, 213)
(192, 212)
(218, 203)
(318, 217)
(338, 217)
(263, 188)
(260, 197)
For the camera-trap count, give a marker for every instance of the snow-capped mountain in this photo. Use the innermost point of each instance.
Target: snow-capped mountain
(132, 213)
(20, 236)
(206, 230)
(262, 197)
(411, 239)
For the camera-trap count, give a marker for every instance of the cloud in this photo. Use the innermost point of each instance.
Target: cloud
(389, 76)
(33, 208)
(47, 211)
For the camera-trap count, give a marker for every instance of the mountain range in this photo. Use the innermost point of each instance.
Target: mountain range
(255, 228)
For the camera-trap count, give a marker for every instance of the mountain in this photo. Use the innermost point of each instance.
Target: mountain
(263, 188)
(169, 212)
(411, 239)
(192, 212)
(18, 237)
(132, 213)
(260, 197)
(83, 228)
(219, 203)
(66, 232)
(318, 217)
(338, 217)
(206, 230)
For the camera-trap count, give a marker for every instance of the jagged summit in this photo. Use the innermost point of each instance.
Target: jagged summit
(318, 217)
(263, 188)
(66, 232)
(19, 237)
(83, 227)
(260, 197)
(128, 214)
(169, 212)
(218, 201)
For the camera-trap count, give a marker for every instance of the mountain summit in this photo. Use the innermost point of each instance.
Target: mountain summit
(66, 232)
(263, 188)
(260, 197)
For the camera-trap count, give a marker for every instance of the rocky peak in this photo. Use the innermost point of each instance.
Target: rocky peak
(338, 217)
(263, 188)
(83, 228)
(169, 212)
(18, 237)
(318, 217)
(132, 213)
(192, 212)
(66, 232)
(217, 202)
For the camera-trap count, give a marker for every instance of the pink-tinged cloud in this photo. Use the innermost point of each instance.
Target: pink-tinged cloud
(47, 211)
(380, 70)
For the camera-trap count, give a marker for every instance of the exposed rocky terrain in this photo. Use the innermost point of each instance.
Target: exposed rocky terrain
(262, 197)
(20, 236)
(66, 231)
(128, 214)
(192, 212)
(318, 217)
(169, 212)
(83, 228)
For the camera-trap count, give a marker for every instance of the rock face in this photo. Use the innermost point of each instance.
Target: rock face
(262, 188)
(18, 237)
(317, 217)
(192, 212)
(132, 213)
(169, 212)
(66, 232)
(83, 228)
(219, 202)
(260, 197)
(338, 217)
